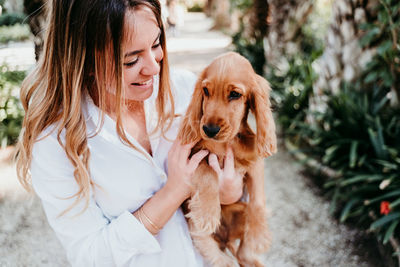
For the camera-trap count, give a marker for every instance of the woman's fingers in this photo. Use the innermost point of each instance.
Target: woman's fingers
(213, 162)
(229, 162)
(183, 150)
(197, 158)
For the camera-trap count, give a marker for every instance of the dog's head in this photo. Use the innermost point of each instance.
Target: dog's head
(223, 94)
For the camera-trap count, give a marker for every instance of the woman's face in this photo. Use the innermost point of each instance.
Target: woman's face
(142, 53)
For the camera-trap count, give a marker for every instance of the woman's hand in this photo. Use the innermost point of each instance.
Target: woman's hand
(181, 168)
(230, 180)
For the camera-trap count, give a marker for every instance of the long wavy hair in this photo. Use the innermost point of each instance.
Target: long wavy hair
(81, 40)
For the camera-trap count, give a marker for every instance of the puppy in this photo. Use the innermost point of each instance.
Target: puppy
(216, 118)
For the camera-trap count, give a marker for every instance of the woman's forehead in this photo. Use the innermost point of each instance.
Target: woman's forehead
(135, 18)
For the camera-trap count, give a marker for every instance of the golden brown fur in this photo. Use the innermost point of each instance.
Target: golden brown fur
(215, 228)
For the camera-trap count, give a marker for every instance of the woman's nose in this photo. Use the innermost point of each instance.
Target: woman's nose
(152, 64)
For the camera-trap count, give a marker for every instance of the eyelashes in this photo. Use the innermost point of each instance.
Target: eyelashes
(133, 62)
(129, 64)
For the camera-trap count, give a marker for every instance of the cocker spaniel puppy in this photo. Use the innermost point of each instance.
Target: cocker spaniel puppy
(217, 118)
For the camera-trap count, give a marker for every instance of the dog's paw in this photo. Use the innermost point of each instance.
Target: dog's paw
(224, 260)
(258, 236)
(259, 242)
(252, 262)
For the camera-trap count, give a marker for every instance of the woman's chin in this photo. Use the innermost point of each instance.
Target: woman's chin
(138, 93)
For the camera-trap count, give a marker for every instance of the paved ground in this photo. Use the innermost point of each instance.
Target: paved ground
(303, 233)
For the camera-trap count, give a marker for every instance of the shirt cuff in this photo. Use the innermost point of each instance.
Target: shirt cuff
(132, 236)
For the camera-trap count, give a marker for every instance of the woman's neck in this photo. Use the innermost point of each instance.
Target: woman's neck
(128, 107)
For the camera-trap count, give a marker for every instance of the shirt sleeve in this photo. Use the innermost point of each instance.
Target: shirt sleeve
(89, 238)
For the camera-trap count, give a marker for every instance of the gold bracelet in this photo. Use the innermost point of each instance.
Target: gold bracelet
(148, 219)
(139, 216)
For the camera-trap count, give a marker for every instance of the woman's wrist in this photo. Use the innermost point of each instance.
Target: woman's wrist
(178, 192)
(155, 213)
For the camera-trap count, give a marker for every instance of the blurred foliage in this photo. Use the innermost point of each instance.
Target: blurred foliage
(243, 5)
(14, 33)
(250, 47)
(384, 33)
(358, 136)
(196, 7)
(358, 133)
(9, 19)
(11, 112)
(293, 80)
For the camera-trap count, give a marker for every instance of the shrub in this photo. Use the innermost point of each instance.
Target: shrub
(358, 137)
(196, 7)
(17, 32)
(10, 19)
(251, 49)
(11, 112)
(358, 134)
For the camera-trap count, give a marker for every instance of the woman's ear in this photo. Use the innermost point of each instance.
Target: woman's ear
(261, 107)
(190, 128)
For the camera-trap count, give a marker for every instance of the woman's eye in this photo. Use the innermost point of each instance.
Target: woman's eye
(156, 45)
(131, 63)
(234, 95)
(206, 91)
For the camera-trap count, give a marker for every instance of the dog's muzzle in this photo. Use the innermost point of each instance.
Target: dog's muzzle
(211, 130)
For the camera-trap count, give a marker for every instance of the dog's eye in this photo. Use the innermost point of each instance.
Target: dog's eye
(234, 95)
(206, 91)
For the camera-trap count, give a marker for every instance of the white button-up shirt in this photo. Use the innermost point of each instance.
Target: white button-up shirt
(106, 233)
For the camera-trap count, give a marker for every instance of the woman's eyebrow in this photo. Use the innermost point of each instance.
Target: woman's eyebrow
(132, 53)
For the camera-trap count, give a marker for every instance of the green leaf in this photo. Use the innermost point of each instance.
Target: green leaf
(362, 160)
(367, 178)
(387, 164)
(385, 196)
(347, 209)
(395, 203)
(384, 47)
(390, 231)
(384, 220)
(353, 154)
(330, 153)
(372, 76)
(370, 36)
(333, 204)
(377, 143)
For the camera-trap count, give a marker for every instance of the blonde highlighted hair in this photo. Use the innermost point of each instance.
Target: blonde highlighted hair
(81, 38)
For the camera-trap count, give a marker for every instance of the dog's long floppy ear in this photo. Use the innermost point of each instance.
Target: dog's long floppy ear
(190, 128)
(261, 107)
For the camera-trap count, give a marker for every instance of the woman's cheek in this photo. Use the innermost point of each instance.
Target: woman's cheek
(160, 54)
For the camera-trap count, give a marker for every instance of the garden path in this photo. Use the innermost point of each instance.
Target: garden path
(303, 233)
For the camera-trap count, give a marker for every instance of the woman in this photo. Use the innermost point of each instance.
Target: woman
(97, 140)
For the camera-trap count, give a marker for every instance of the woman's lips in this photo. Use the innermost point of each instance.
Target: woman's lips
(144, 84)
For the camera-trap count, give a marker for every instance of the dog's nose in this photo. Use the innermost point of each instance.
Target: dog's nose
(211, 130)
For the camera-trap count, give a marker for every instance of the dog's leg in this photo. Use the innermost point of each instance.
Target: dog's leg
(256, 237)
(210, 250)
(204, 205)
(246, 254)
